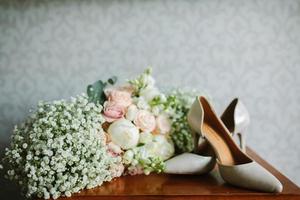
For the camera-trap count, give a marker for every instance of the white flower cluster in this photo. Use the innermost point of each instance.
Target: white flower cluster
(147, 95)
(142, 130)
(150, 155)
(60, 150)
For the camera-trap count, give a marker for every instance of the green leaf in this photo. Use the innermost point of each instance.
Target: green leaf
(112, 80)
(95, 92)
(148, 70)
(140, 144)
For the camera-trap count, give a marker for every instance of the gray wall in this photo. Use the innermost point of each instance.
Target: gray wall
(251, 49)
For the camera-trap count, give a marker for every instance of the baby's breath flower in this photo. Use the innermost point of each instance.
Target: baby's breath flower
(60, 150)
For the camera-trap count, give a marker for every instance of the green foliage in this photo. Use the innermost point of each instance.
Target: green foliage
(152, 164)
(178, 103)
(95, 91)
(182, 135)
(156, 101)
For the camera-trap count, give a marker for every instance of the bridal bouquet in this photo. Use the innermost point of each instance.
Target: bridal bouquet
(112, 130)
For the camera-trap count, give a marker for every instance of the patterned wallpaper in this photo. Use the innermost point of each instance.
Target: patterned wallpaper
(250, 49)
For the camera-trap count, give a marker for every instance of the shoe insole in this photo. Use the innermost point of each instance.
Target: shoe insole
(223, 152)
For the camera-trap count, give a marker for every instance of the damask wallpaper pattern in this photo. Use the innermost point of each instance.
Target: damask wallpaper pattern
(250, 49)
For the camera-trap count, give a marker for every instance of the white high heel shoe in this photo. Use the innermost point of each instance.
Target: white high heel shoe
(235, 167)
(236, 119)
(189, 163)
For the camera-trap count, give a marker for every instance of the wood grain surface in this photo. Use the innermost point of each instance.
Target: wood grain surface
(163, 186)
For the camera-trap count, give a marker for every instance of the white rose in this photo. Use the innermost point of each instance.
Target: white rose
(124, 133)
(165, 147)
(145, 137)
(149, 93)
(131, 112)
(147, 150)
(144, 152)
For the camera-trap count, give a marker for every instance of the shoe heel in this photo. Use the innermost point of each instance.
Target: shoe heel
(242, 141)
(195, 117)
(236, 118)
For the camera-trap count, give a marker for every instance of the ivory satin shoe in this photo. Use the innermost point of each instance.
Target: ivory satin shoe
(235, 166)
(189, 163)
(236, 118)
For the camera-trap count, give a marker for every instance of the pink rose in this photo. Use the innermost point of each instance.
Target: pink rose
(120, 96)
(112, 111)
(163, 124)
(145, 121)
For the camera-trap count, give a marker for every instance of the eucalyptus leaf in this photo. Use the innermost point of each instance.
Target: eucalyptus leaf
(95, 92)
(112, 80)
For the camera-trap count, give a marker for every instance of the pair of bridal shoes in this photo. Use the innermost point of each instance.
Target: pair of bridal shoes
(216, 144)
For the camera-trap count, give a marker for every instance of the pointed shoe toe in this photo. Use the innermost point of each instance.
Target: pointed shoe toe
(189, 163)
(250, 176)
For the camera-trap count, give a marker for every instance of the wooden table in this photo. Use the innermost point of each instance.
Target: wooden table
(210, 186)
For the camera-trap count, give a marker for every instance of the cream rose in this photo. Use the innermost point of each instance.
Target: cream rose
(131, 112)
(160, 146)
(124, 133)
(112, 111)
(145, 121)
(120, 97)
(165, 148)
(163, 124)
